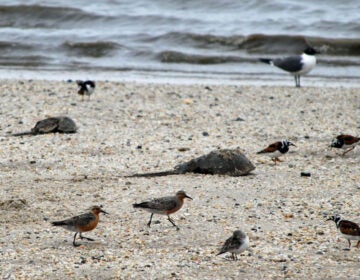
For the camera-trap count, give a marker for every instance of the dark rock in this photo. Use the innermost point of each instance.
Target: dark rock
(305, 174)
(239, 119)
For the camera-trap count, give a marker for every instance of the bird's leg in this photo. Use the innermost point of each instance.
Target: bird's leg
(358, 244)
(352, 148)
(75, 245)
(297, 80)
(87, 238)
(349, 243)
(171, 221)
(275, 160)
(234, 257)
(149, 223)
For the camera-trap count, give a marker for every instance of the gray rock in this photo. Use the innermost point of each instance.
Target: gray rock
(221, 162)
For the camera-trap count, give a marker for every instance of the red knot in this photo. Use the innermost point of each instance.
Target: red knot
(82, 223)
(164, 206)
(236, 244)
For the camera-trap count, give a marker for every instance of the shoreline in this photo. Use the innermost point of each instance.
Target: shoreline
(277, 79)
(131, 127)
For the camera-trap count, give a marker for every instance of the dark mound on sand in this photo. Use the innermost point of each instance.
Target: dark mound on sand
(220, 162)
(51, 125)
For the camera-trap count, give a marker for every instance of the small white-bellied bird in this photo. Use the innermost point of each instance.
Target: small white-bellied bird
(277, 149)
(346, 142)
(347, 229)
(164, 206)
(236, 244)
(297, 65)
(82, 223)
(85, 88)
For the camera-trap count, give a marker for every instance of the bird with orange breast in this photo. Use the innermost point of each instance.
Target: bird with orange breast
(82, 223)
(164, 206)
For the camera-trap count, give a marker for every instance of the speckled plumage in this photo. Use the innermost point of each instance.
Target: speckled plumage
(236, 244)
(82, 223)
(163, 205)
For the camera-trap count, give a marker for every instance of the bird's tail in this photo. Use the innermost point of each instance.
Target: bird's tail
(267, 60)
(261, 152)
(220, 253)
(140, 205)
(60, 223)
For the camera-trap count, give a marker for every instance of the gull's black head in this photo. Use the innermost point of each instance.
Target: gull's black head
(311, 51)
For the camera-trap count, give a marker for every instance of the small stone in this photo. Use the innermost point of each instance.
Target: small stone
(239, 119)
(205, 133)
(188, 101)
(305, 174)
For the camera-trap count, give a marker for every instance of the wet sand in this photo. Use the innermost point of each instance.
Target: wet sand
(129, 128)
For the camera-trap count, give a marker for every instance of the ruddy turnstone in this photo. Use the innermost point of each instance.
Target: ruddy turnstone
(349, 230)
(277, 149)
(236, 244)
(82, 223)
(86, 88)
(346, 142)
(296, 65)
(164, 206)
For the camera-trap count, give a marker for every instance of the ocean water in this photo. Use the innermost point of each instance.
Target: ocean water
(213, 40)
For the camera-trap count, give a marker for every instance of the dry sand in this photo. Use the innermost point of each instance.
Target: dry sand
(129, 128)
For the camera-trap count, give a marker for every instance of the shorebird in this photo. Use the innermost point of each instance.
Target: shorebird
(82, 223)
(236, 244)
(296, 65)
(86, 88)
(164, 206)
(277, 149)
(346, 142)
(349, 230)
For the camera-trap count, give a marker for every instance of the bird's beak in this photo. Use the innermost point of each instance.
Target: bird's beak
(292, 144)
(329, 219)
(103, 211)
(188, 197)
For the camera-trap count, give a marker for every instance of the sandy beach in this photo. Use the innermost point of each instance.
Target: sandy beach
(128, 128)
